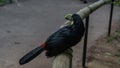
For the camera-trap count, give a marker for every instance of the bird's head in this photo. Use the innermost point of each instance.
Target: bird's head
(71, 18)
(76, 17)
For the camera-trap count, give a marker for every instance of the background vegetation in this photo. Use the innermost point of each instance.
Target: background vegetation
(117, 2)
(2, 2)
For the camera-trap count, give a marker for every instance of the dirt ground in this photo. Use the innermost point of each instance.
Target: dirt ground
(27, 24)
(105, 53)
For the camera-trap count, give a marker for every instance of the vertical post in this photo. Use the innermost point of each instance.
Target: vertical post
(110, 19)
(63, 60)
(85, 43)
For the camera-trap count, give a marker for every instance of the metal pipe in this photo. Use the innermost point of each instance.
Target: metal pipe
(110, 19)
(85, 43)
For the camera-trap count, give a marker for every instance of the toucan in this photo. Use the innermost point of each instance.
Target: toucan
(60, 40)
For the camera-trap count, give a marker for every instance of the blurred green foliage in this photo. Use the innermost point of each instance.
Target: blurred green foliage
(2, 2)
(117, 2)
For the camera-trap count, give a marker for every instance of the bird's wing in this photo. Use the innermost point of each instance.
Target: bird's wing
(60, 38)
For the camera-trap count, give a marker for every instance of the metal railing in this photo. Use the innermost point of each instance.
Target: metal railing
(86, 34)
(64, 60)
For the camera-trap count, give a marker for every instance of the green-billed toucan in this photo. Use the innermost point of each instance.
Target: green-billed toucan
(59, 41)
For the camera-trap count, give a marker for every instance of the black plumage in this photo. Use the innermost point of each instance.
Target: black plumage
(65, 37)
(59, 41)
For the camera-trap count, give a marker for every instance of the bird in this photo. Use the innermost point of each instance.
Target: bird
(61, 40)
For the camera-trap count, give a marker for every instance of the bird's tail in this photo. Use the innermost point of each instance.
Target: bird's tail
(31, 55)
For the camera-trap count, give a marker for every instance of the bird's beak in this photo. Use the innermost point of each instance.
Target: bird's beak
(69, 17)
